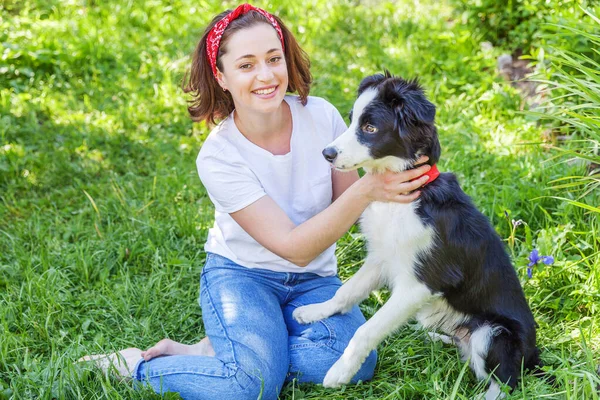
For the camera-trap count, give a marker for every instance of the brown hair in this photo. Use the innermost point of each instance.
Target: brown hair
(209, 102)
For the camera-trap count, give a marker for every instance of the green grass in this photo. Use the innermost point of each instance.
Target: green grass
(103, 217)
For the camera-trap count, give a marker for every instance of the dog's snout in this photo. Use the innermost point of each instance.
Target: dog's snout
(330, 154)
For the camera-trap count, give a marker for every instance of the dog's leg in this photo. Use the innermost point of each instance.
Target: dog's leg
(403, 304)
(358, 288)
(494, 392)
(502, 357)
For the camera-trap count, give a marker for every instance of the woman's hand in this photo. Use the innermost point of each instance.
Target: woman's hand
(395, 186)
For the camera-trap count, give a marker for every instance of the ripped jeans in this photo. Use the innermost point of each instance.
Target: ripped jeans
(247, 315)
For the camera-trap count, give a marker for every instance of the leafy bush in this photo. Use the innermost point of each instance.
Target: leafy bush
(513, 24)
(573, 109)
(572, 86)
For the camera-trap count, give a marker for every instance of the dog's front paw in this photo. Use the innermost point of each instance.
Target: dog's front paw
(339, 374)
(310, 313)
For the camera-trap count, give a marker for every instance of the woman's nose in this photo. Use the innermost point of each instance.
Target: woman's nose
(264, 74)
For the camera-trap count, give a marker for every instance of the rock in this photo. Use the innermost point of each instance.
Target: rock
(504, 62)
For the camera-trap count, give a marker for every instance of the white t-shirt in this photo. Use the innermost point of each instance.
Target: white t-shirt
(236, 173)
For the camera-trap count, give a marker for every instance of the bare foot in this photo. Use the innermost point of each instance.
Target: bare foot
(123, 361)
(168, 347)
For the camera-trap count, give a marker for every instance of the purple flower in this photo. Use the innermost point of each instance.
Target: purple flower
(548, 260)
(535, 258)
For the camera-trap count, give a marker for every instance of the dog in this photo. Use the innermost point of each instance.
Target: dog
(439, 255)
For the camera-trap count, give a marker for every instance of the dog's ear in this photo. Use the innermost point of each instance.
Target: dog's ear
(435, 149)
(409, 101)
(422, 109)
(371, 81)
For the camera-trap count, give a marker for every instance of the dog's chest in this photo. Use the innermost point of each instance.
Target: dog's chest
(395, 232)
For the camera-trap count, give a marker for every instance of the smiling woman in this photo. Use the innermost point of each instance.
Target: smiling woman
(279, 210)
(210, 102)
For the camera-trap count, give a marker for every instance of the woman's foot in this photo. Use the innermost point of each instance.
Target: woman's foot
(168, 347)
(123, 361)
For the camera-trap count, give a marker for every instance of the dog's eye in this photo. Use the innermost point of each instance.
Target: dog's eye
(369, 128)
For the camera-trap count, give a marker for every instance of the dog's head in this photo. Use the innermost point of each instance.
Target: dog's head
(392, 124)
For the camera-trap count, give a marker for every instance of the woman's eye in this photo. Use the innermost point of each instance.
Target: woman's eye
(245, 66)
(275, 59)
(369, 128)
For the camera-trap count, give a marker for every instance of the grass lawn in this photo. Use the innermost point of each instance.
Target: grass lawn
(103, 217)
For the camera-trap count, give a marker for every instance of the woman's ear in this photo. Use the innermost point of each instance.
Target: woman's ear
(221, 80)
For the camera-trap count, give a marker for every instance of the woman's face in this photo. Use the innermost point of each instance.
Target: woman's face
(254, 69)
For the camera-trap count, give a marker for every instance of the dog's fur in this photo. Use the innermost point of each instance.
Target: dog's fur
(439, 256)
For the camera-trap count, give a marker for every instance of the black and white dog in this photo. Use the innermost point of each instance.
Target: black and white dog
(439, 256)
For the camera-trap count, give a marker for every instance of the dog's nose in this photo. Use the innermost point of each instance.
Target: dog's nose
(330, 153)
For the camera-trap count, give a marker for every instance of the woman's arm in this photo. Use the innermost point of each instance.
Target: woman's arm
(342, 181)
(268, 224)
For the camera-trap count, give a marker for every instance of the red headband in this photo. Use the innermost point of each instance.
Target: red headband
(214, 36)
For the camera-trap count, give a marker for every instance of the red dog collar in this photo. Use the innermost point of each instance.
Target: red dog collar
(433, 173)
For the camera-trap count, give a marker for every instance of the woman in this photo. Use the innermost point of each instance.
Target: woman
(279, 209)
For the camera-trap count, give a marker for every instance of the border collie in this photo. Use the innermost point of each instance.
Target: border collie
(439, 256)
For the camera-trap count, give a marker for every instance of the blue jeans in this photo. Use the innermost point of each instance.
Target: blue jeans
(247, 315)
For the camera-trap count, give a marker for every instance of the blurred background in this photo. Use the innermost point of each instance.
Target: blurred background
(103, 217)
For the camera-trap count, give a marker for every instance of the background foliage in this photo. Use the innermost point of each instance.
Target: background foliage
(103, 217)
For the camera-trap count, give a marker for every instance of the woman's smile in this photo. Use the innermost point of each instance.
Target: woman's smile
(267, 92)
